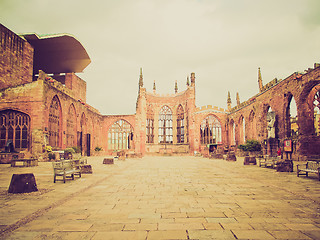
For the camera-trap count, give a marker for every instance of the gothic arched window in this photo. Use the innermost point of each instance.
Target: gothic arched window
(54, 122)
(120, 136)
(210, 130)
(242, 130)
(165, 125)
(291, 120)
(14, 127)
(316, 104)
(232, 132)
(252, 133)
(71, 126)
(150, 125)
(180, 125)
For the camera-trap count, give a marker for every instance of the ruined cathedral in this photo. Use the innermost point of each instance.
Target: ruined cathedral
(43, 103)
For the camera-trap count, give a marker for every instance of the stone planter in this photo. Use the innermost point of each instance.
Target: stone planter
(249, 160)
(231, 156)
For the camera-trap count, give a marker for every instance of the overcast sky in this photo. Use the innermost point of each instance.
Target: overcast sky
(223, 42)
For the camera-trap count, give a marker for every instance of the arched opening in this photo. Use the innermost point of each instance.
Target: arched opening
(165, 125)
(291, 118)
(316, 111)
(232, 133)
(71, 126)
(14, 129)
(120, 136)
(252, 133)
(210, 130)
(271, 123)
(55, 120)
(180, 124)
(150, 125)
(242, 130)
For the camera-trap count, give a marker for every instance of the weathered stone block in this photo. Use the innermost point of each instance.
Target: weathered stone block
(285, 166)
(249, 160)
(23, 183)
(231, 157)
(108, 161)
(86, 169)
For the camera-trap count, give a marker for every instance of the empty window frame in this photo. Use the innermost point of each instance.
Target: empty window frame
(210, 130)
(14, 127)
(120, 136)
(165, 125)
(316, 104)
(150, 125)
(180, 125)
(54, 122)
(71, 126)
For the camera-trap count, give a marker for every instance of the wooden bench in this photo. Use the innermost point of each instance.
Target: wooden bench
(268, 161)
(65, 169)
(309, 167)
(26, 162)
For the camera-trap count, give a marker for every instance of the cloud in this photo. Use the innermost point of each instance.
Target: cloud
(223, 41)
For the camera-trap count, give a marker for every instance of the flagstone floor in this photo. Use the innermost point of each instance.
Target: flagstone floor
(162, 198)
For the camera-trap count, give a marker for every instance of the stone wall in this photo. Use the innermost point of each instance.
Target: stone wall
(16, 59)
(277, 95)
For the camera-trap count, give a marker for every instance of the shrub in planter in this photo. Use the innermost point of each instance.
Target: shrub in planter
(48, 149)
(77, 149)
(98, 149)
(68, 152)
(250, 146)
(51, 156)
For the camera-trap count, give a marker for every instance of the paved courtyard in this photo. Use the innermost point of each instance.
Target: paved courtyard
(162, 198)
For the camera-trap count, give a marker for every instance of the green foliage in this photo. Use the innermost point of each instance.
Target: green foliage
(250, 146)
(48, 148)
(69, 150)
(51, 156)
(77, 149)
(98, 149)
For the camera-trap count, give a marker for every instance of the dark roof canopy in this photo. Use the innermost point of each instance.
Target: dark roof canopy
(61, 53)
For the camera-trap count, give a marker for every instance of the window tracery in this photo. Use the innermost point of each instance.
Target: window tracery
(316, 104)
(71, 126)
(180, 125)
(15, 127)
(165, 125)
(54, 122)
(210, 130)
(150, 125)
(120, 136)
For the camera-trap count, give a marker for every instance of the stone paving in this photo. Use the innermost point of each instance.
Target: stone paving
(162, 198)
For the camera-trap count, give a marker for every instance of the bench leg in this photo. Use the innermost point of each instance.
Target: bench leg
(64, 178)
(54, 179)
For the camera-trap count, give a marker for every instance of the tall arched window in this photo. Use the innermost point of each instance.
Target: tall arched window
(120, 136)
(165, 125)
(242, 130)
(252, 133)
(180, 125)
(71, 126)
(14, 127)
(291, 118)
(316, 104)
(150, 125)
(271, 123)
(210, 130)
(232, 134)
(54, 122)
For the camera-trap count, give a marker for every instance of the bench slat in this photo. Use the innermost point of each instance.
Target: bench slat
(310, 166)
